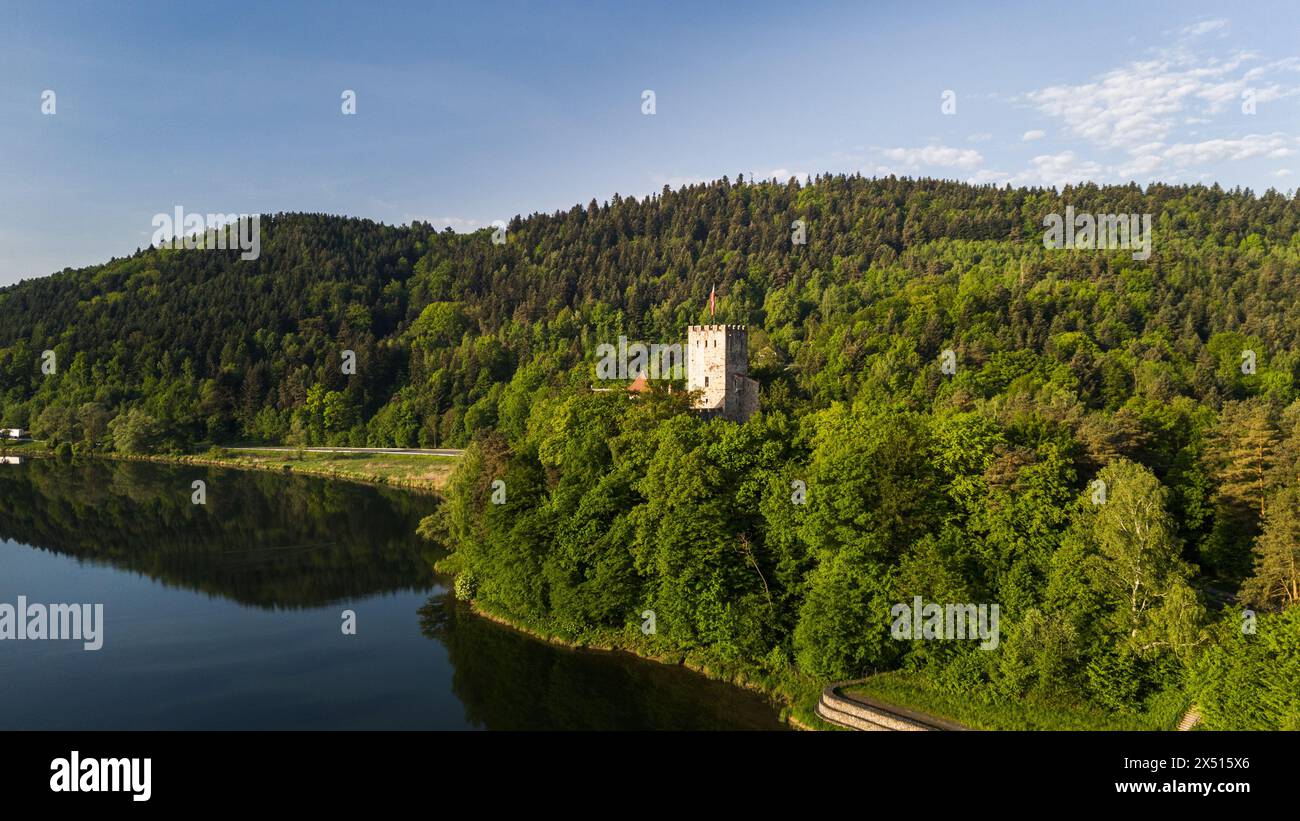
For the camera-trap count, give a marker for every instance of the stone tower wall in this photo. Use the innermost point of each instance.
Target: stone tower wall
(718, 367)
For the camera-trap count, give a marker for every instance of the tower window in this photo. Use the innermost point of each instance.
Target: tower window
(706, 381)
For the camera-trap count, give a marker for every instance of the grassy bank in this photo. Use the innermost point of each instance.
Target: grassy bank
(1030, 713)
(9, 447)
(422, 473)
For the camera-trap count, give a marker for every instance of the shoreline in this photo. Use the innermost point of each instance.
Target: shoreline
(785, 704)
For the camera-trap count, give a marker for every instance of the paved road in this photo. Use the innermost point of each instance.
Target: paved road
(399, 451)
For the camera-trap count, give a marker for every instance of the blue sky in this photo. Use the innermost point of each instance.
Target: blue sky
(467, 114)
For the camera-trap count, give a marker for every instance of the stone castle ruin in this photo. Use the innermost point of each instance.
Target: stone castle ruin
(717, 365)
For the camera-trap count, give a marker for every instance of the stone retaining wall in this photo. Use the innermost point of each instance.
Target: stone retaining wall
(858, 714)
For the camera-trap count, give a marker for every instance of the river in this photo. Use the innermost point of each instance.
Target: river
(231, 615)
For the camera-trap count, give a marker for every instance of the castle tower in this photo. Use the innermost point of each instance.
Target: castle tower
(718, 367)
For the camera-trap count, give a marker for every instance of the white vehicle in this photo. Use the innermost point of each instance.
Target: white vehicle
(12, 433)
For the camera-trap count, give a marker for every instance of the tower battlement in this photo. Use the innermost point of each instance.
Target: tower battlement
(701, 328)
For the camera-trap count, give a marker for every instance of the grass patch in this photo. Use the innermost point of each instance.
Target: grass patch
(11, 447)
(913, 691)
(423, 473)
(406, 470)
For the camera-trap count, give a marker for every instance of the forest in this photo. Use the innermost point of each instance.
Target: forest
(1114, 460)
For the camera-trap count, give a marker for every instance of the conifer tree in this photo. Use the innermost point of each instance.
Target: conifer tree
(1276, 583)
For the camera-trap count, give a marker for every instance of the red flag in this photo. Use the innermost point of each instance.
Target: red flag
(713, 293)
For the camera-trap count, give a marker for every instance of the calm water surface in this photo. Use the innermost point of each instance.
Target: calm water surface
(228, 616)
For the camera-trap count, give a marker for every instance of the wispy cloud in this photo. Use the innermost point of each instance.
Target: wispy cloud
(1245, 148)
(1062, 168)
(1146, 101)
(1204, 27)
(784, 175)
(1139, 120)
(941, 156)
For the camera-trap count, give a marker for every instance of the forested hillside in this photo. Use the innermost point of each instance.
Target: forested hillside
(1071, 366)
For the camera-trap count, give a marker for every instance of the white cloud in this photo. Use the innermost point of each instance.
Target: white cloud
(1221, 150)
(1035, 134)
(935, 155)
(1282, 172)
(1128, 105)
(1204, 27)
(1146, 101)
(1141, 167)
(980, 137)
(987, 175)
(1057, 170)
(1140, 112)
(1152, 161)
(784, 175)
